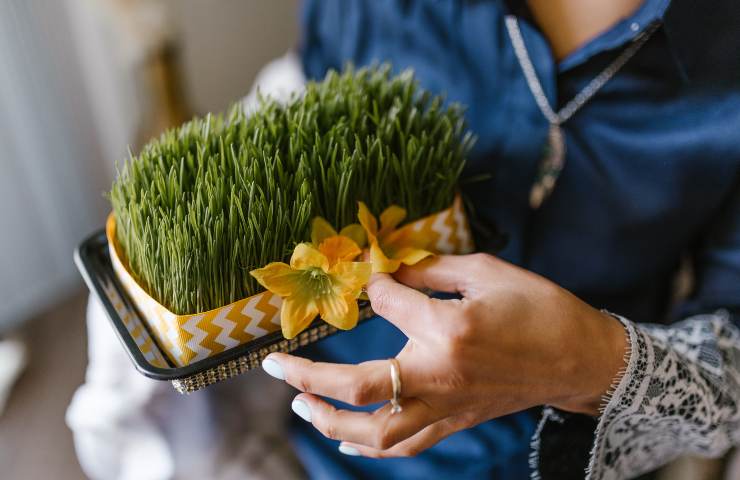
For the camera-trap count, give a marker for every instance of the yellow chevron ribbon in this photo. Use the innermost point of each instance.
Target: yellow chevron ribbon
(186, 339)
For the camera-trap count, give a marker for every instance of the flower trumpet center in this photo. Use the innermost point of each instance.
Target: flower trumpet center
(317, 281)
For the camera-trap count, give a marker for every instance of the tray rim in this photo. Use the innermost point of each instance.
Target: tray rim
(93, 259)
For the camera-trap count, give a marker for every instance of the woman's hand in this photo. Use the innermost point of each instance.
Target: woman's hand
(515, 340)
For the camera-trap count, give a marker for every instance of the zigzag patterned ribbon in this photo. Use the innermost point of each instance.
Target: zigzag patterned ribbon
(186, 339)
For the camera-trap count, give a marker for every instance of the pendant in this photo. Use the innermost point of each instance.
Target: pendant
(549, 168)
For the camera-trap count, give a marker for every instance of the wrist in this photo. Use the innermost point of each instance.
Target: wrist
(597, 366)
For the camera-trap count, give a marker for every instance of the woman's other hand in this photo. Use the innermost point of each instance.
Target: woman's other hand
(515, 340)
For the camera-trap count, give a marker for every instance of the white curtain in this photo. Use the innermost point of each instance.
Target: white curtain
(52, 178)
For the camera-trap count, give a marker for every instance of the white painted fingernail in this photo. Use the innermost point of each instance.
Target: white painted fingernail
(273, 368)
(347, 450)
(301, 409)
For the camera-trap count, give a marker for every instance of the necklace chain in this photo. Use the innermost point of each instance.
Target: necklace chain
(570, 108)
(554, 158)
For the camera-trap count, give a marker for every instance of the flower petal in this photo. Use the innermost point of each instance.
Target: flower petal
(348, 278)
(411, 256)
(405, 237)
(339, 249)
(278, 278)
(391, 218)
(368, 221)
(306, 256)
(344, 317)
(356, 232)
(321, 230)
(381, 263)
(332, 306)
(296, 314)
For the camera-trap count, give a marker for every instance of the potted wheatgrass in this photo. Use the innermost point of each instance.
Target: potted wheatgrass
(205, 216)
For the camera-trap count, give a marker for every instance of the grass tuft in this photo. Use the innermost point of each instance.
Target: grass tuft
(207, 202)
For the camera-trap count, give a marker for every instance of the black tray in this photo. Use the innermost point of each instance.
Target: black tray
(93, 261)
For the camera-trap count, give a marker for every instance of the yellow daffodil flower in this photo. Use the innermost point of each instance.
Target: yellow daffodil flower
(319, 281)
(391, 246)
(321, 230)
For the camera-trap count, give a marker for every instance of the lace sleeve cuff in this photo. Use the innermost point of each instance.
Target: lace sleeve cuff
(680, 393)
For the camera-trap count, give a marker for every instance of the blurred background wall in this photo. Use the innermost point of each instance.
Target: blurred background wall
(80, 82)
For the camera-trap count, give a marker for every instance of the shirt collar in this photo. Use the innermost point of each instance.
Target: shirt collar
(624, 31)
(702, 42)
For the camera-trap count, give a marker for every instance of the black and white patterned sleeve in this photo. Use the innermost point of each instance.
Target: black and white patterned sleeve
(680, 394)
(680, 391)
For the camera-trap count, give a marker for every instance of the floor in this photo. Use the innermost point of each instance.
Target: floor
(34, 440)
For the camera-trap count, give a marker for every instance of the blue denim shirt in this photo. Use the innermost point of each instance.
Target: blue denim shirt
(652, 174)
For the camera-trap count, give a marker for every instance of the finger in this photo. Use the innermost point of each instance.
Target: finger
(444, 273)
(380, 429)
(404, 307)
(362, 384)
(414, 445)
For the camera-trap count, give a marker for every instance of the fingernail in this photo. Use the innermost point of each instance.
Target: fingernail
(347, 450)
(273, 368)
(301, 409)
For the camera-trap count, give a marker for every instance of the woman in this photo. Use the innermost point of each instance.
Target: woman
(609, 155)
(609, 144)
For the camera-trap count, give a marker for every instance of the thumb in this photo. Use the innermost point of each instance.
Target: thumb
(404, 307)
